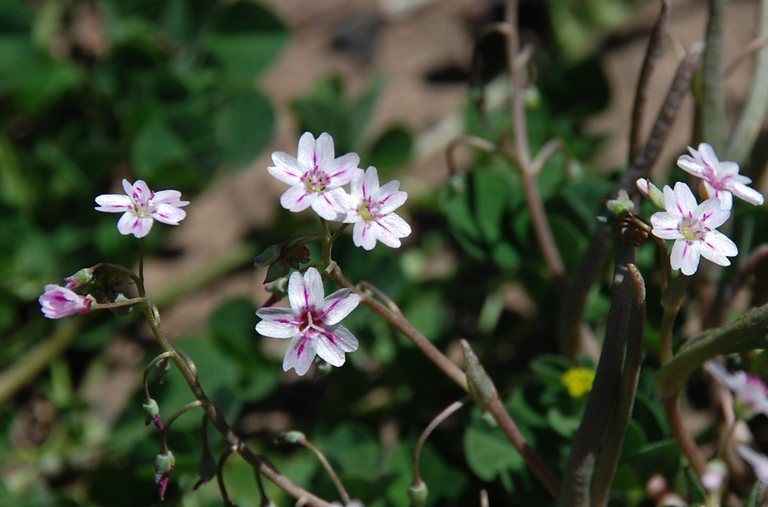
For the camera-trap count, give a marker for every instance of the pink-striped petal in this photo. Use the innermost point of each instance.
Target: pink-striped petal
(300, 354)
(297, 199)
(286, 169)
(168, 214)
(306, 151)
(685, 256)
(277, 323)
(129, 223)
(331, 346)
(332, 205)
(685, 202)
(113, 203)
(363, 235)
(324, 151)
(338, 305)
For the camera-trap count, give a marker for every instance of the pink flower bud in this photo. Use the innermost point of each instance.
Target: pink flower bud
(58, 302)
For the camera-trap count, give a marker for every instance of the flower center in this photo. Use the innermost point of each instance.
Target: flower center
(691, 229)
(310, 320)
(316, 180)
(368, 211)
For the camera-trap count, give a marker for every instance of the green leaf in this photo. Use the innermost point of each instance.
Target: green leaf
(505, 255)
(564, 424)
(491, 189)
(247, 40)
(549, 369)
(390, 151)
(155, 147)
(489, 453)
(244, 127)
(661, 457)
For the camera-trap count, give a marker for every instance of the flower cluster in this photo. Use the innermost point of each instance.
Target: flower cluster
(692, 225)
(316, 178)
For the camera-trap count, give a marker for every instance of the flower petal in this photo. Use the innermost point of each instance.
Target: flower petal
(113, 203)
(168, 214)
(389, 198)
(370, 183)
(129, 223)
(332, 205)
(298, 296)
(711, 213)
(286, 169)
(666, 225)
(364, 235)
(324, 151)
(685, 256)
(685, 202)
(306, 151)
(338, 305)
(141, 193)
(670, 202)
(300, 354)
(716, 247)
(341, 170)
(172, 197)
(690, 165)
(277, 323)
(749, 194)
(759, 462)
(297, 199)
(709, 158)
(332, 345)
(314, 291)
(392, 226)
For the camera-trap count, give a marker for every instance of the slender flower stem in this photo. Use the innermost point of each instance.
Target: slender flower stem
(218, 420)
(328, 469)
(162, 357)
(399, 322)
(437, 421)
(118, 304)
(684, 440)
(220, 475)
(140, 284)
(183, 410)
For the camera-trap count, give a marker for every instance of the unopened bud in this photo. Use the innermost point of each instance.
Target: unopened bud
(651, 192)
(151, 410)
(481, 386)
(293, 437)
(165, 462)
(418, 493)
(79, 279)
(621, 205)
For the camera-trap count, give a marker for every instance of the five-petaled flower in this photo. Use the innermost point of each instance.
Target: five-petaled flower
(720, 179)
(750, 391)
(693, 227)
(141, 207)
(312, 322)
(315, 176)
(371, 209)
(58, 302)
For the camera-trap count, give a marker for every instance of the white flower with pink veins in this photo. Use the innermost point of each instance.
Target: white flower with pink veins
(371, 209)
(141, 206)
(315, 176)
(692, 226)
(721, 179)
(312, 322)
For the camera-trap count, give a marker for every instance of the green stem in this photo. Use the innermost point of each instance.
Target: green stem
(713, 120)
(753, 112)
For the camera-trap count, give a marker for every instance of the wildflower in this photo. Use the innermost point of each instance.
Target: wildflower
(578, 381)
(371, 209)
(141, 207)
(315, 176)
(693, 227)
(720, 179)
(58, 302)
(750, 391)
(759, 462)
(312, 322)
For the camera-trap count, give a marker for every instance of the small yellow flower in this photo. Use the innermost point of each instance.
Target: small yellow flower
(578, 381)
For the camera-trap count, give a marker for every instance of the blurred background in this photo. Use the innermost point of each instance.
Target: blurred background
(194, 95)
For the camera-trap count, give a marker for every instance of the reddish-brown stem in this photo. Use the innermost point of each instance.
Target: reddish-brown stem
(687, 445)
